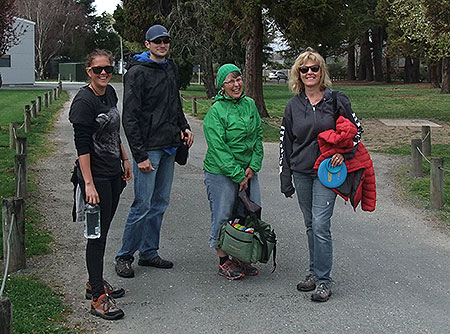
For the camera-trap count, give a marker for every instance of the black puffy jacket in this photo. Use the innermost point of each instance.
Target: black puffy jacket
(152, 113)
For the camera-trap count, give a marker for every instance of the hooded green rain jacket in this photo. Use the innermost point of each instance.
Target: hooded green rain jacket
(233, 133)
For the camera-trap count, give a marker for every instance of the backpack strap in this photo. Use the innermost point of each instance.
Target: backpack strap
(335, 110)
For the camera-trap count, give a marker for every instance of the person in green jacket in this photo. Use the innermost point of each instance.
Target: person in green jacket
(233, 133)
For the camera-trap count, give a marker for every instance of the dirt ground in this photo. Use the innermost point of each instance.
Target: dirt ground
(378, 137)
(61, 269)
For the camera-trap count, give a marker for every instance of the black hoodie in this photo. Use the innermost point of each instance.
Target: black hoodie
(301, 124)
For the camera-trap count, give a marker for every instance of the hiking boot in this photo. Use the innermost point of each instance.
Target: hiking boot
(308, 284)
(230, 270)
(247, 269)
(105, 307)
(123, 268)
(109, 289)
(156, 262)
(322, 293)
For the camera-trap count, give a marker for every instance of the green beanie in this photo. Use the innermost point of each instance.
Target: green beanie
(223, 71)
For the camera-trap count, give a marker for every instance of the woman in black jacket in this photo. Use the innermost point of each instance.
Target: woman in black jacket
(307, 114)
(103, 169)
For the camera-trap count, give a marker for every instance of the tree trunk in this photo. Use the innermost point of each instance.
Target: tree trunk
(439, 71)
(364, 57)
(445, 89)
(388, 70)
(415, 70)
(432, 69)
(254, 62)
(408, 70)
(208, 75)
(377, 38)
(351, 62)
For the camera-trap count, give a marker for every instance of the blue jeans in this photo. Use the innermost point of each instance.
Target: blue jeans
(317, 203)
(222, 192)
(151, 198)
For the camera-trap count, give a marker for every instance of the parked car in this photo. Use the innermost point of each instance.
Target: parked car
(277, 75)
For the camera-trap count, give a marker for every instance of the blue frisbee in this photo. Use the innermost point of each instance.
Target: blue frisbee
(331, 177)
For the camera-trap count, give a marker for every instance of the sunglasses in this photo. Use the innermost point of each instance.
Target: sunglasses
(161, 40)
(233, 82)
(99, 69)
(305, 69)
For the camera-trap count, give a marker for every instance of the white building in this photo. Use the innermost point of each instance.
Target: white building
(17, 65)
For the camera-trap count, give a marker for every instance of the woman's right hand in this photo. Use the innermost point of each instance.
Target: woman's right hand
(243, 184)
(91, 194)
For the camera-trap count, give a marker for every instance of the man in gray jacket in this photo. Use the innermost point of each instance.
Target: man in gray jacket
(155, 126)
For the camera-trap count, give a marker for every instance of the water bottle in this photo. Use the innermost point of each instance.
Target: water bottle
(92, 221)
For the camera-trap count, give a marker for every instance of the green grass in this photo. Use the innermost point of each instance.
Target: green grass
(11, 109)
(377, 101)
(36, 308)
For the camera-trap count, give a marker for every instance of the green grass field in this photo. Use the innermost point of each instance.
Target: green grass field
(36, 308)
(377, 101)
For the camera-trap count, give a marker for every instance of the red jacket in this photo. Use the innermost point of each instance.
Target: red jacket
(359, 185)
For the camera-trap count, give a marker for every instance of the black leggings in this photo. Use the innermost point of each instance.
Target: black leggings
(109, 191)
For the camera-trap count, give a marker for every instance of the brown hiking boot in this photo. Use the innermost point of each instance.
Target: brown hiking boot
(109, 289)
(322, 293)
(105, 307)
(308, 284)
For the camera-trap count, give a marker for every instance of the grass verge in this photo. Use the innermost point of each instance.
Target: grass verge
(36, 308)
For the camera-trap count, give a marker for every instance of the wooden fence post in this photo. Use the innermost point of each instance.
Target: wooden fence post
(14, 207)
(12, 135)
(437, 183)
(27, 118)
(6, 314)
(426, 140)
(21, 175)
(55, 94)
(33, 109)
(39, 104)
(21, 145)
(416, 158)
(46, 100)
(50, 97)
(194, 105)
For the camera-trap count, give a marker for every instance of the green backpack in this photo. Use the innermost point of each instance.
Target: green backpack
(248, 239)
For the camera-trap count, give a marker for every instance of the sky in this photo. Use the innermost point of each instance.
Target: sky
(105, 6)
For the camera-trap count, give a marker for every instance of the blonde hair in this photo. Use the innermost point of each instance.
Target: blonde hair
(295, 82)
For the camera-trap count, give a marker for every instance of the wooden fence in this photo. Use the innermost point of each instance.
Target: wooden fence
(421, 149)
(13, 209)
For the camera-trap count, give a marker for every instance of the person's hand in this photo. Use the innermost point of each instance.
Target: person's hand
(91, 194)
(190, 137)
(243, 184)
(337, 159)
(145, 166)
(249, 173)
(126, 176)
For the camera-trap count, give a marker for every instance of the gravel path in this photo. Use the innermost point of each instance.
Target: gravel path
(391, 266)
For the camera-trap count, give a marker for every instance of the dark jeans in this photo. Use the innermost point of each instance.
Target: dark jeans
(109, 190)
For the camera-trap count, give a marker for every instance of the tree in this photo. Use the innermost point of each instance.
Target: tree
(56, 21)
(420, 28)
(10, 32)
(438, 13)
